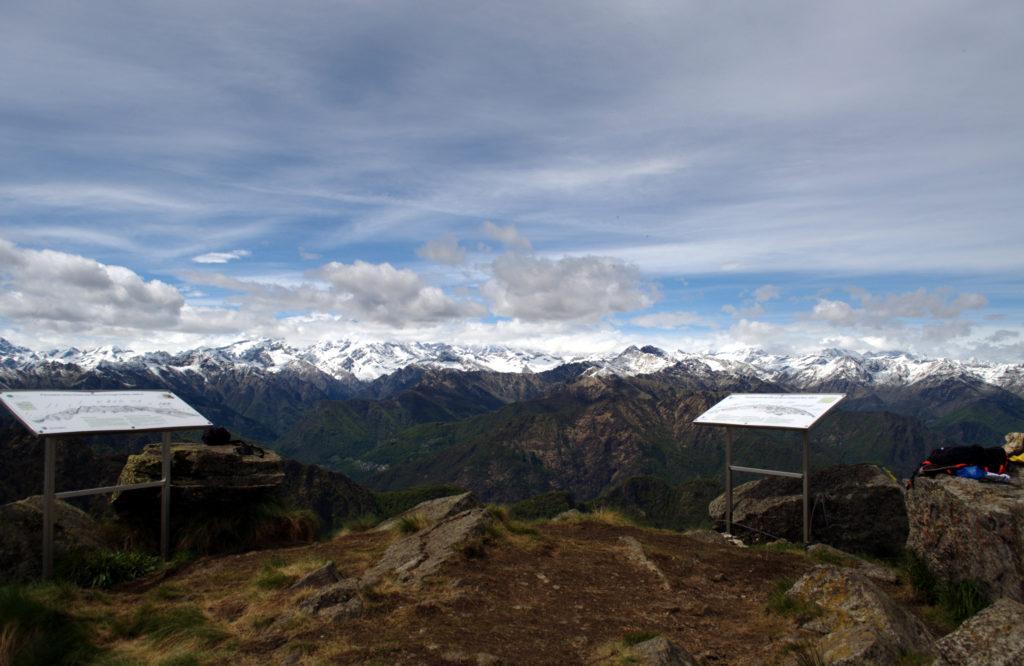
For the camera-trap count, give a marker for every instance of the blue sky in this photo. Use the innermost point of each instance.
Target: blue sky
(572, 176)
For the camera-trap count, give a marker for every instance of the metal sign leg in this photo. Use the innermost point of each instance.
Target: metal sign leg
(728, 480)
(49, 482)
(807, 487)
(165, 496)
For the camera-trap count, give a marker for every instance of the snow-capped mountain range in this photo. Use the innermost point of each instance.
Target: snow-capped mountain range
(366, 361)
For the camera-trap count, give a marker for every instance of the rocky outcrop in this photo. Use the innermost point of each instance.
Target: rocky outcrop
(858, 508)
(657, 651)
(325, 575)
(410, 559)
(332, 496)
(202, 475)
(993, 637)
(859, 623)
(434, 511)
(826, 554)
(970, 530)
(21, 534)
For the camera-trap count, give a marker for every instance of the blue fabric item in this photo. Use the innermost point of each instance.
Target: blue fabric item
(972, 472)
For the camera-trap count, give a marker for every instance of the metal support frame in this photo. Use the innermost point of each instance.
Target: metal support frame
(50, 497)
(805, 476)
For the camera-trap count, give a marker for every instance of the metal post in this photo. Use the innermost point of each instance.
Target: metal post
(165, 496)
(807, 487)
(728, 480)
(49, 481)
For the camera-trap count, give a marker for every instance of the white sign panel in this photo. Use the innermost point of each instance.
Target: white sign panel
(798, 411)
(81, 412)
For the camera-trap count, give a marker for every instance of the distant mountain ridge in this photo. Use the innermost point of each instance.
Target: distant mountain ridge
(356, 363)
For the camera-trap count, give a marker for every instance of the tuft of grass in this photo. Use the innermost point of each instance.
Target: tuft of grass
(272, 578)
(836, 559)
(267, 524)
(105, 568)
(955, 601)
(362, 523)
(411, 524)
(169, 624)
(169, 592)
(474, 549)
(636, 637)
(35, 629)
(781, 602)
(805, 654)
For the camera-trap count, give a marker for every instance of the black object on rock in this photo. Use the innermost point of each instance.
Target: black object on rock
(216, 436)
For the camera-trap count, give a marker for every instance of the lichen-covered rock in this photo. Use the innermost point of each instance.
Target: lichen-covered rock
(828, 555)
(21, 536)
(993, 637)
(435, 510)
(970, 530)
(859, 508)
(859, 623)
(422, 553)
(202, 474)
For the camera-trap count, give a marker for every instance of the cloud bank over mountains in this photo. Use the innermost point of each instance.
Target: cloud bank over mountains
(566, 175)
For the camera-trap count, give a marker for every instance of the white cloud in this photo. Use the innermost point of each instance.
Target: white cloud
(890, 309)
(585, 288)
(667, 319)
(766, 292)
(220, 257)
(509, 236)
(48, 289)
(445, 250)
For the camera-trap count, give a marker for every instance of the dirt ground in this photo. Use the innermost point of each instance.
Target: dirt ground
(562, 595)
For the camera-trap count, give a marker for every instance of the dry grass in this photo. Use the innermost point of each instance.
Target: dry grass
(604, 516)
(8, 645)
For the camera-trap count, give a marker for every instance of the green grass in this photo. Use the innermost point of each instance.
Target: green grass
(636, 637)
(781, 602)
(362, 523)
(105, 568)
(410, 524)
(954, 601)
(169, 625)
(272, 578)
(542, 507)
(263, 525)
(34, 629)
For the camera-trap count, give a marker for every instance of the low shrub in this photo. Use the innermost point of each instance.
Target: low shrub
(781, 602)
(105, 568)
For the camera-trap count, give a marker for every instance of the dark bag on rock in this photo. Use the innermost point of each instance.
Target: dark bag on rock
(949, 459)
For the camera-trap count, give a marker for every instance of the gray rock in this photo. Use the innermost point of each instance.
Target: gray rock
(635, 554)
(860, 623)
(325, 575)
(21, 534)
(843, 559)
(435, 510)
(993, 637)
(660, 652)
(330, 596)
(968, 530)
(346, 610)
(856, 507)
(412, 557)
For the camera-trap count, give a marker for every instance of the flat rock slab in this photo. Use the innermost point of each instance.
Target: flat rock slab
(993, 637)
(859, 622)
(417, 555)
(970, 530)
(435, 510)
(856, 507)
(325, 575)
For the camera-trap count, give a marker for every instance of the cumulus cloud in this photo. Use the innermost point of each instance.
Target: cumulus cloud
(585, 288)
(48, 289)
(889, 309)
(445, 250)
(667, 319)
(220, 257)
(509, 236)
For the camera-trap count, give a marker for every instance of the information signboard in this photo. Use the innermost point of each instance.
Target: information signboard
(792, 411)
(84, 412)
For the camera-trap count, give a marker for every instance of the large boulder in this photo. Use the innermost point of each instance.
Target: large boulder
(21, 536)
(993, 637)
(858, 508)
(970, 530)
(859, 623)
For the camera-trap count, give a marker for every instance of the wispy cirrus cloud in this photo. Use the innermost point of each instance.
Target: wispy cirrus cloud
(220, 257)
